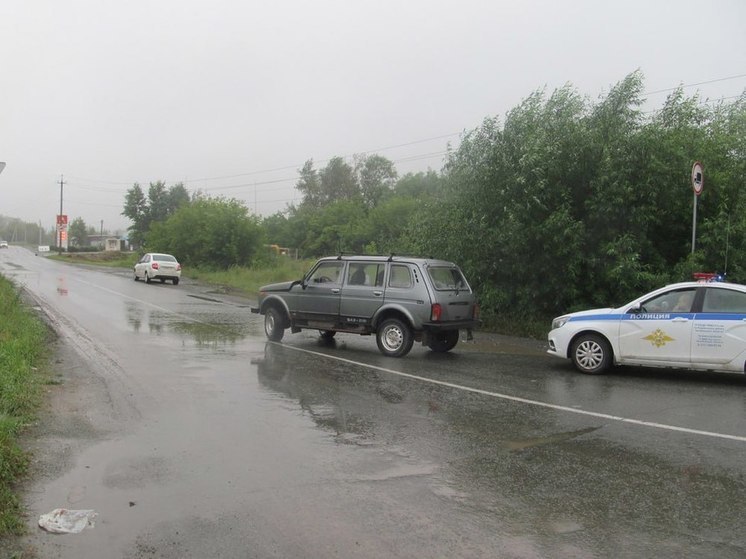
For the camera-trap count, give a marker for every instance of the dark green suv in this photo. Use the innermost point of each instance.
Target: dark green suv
(399, 299)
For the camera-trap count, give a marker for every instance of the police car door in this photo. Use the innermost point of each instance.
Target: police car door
(719, 334)
(659, 331)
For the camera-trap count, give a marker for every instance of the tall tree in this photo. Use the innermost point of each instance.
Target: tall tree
(161, 202)
(78, 232)
(136, 209)
(309, 185)
(376, 176)
(333, 183)
(338, 181)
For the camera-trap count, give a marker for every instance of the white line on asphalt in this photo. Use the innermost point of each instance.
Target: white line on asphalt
(147, 303)
(526, 400)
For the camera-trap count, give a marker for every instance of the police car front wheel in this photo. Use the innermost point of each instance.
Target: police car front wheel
(591, 354)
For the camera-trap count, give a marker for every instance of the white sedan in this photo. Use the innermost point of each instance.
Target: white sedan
(690, 325)
(158, 266)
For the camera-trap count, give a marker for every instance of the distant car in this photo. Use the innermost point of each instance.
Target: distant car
(3, 244)
(398, 299)
(691, 325)
(158, 266)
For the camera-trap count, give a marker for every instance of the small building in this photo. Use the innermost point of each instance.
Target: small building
(108, 243)
(113, 244)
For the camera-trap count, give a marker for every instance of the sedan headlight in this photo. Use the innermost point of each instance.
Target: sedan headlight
(559, 322)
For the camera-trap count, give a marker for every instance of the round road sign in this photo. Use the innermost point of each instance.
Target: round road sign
(698, 178)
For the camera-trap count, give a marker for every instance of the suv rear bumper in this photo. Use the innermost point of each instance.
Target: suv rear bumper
(453, 325)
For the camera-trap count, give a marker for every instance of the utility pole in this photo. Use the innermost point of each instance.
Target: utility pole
(59, 224)
(102, 234)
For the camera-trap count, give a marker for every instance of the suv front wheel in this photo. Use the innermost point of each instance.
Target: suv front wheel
(394, 338)
(274, 324)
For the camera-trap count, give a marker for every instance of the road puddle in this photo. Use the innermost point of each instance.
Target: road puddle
(549, 439)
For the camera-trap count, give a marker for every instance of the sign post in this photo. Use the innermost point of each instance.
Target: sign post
(62, 231)
(698, 181)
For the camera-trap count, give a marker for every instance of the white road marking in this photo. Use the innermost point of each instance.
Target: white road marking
(526, 400)
(143, 302)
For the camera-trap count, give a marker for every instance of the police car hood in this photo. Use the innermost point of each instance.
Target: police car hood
(592, 312)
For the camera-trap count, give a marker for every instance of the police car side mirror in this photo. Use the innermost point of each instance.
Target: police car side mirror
(635, 309)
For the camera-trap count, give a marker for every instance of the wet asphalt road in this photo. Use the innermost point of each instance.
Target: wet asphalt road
(193, 437)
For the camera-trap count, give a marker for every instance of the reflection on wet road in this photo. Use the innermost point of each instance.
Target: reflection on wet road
(211, 442)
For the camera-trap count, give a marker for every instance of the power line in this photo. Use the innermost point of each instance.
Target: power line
(385, 148)
(696, 84)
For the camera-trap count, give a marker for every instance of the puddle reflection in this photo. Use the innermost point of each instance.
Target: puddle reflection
(318, 395)
(158, 322)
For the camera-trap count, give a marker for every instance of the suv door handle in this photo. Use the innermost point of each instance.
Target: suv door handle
(335, 290)
(379, 293)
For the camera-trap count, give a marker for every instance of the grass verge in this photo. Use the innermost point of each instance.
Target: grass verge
(23, 340)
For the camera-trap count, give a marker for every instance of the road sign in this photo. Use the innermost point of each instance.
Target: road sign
(698, 178)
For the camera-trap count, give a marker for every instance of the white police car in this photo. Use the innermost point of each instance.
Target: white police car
(690, 325)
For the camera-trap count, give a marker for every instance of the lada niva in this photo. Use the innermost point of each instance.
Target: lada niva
(398, 299)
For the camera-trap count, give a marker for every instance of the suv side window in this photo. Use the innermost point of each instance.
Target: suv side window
(400, 276)
(365, 273)
(326, 273)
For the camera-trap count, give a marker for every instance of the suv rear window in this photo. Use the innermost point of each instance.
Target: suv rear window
(446, 278)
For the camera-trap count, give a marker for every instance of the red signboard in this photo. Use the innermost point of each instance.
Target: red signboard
(61, 220)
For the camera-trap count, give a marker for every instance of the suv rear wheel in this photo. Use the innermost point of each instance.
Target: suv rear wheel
(394, 338)
(443, 341)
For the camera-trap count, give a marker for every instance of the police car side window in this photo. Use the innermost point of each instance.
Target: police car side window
(724, 301)
(671, 301)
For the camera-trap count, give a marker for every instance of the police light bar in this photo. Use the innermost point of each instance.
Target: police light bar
(704, 277)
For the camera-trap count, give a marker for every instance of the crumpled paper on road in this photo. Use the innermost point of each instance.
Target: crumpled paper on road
(66, 521)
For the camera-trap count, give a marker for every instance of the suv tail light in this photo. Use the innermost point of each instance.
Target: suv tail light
(178, 267)
(435, 312)
(475, 311)
(154, 265)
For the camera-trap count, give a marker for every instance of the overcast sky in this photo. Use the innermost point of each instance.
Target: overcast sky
(232, 96)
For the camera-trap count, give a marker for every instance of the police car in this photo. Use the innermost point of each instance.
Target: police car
(692, 325)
